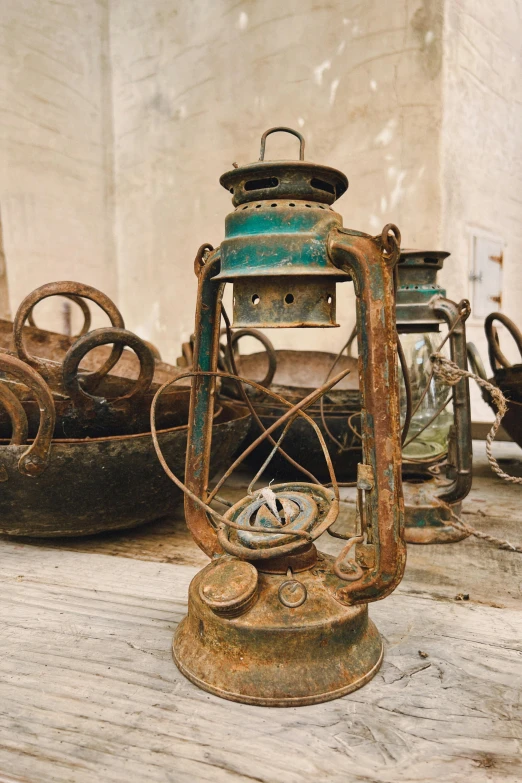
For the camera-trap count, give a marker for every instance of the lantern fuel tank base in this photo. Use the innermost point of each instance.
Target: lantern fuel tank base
(425, 520)
(293, 644)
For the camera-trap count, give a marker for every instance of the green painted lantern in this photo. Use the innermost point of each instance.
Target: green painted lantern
(440, 428)
(271, 620)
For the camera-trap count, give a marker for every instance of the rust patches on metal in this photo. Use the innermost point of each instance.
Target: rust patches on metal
(121, 406)
(64, 288)
(371, 262)
(268, 654)
(34, 459)
(429, 522)
(301, 608)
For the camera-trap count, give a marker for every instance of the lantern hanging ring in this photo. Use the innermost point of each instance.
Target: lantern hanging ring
(282, 129)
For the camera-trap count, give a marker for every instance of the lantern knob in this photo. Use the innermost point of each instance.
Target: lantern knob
(229, 587)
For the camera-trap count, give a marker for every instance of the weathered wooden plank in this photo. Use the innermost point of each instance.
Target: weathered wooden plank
(88, 690)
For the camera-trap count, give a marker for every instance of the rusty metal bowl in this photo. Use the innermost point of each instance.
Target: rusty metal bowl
(86, 486)
(44, 350)
(297, 373)
(294, 375)
(507, 376)
(509, 381)
(120, 406)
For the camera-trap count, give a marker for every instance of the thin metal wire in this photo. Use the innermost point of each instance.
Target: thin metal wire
(441, 408)
(269, 458)
(350, 425)
(197, 500)
(246, 399)
(223, 501)
(297, 409)
(350, 340)
(342, 447)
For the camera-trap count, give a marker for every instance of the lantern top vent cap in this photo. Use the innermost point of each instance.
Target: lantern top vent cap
(423, 258)
(284, 179)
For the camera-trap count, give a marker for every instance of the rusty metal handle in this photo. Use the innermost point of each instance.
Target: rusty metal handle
(15, 411)
(84, 307)
(282, 129)
(455, 316)
(370, 261)
(36, 458)
(64, 288)
(496, 356)
(105, 336)
(475, 361)
(267, 345)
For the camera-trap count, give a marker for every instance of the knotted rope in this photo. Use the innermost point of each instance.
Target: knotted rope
(450, 373)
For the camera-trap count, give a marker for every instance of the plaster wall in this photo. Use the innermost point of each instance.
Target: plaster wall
(481, 152)
(117, 119)
(55, 148)
(195, 85)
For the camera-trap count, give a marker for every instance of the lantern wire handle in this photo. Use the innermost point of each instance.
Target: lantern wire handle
(405, 372)
(282, 129)
(294, 410)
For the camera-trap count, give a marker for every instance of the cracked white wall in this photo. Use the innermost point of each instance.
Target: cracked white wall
(195, 85)
(56, 147)
(481, 152)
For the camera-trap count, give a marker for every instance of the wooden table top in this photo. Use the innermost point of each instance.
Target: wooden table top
(89, 691)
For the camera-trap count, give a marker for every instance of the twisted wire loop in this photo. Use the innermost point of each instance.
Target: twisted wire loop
(390, 238)
(450, 373)
(341, 562)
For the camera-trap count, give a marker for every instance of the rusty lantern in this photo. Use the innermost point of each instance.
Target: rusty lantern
(437, 417)
(272, 621)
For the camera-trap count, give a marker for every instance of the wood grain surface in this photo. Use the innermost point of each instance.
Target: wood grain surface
(89, 692)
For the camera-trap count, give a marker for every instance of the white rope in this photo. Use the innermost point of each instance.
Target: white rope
(450, 373)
